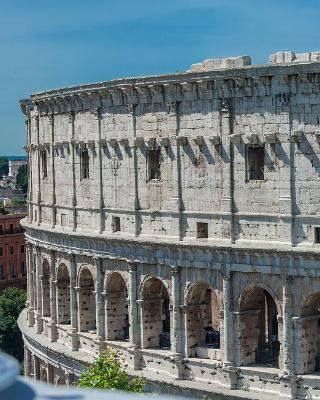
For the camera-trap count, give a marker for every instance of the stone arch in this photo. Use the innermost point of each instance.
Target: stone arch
(116, 307)
(308, 330)
(145, 282)
(63, 295)
(266, 288)
(43, 374)
(87, 302)
(156, 319)
(45, 288)
(88, 267)
(259, 328)
(203, 321)
(60, 380)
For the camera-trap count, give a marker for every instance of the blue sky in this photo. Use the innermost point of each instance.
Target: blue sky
(46, 44)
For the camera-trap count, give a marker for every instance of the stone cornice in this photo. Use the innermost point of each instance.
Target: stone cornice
(238, 82)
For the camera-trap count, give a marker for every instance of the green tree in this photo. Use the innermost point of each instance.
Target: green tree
(12, 302)
(107, 373)
(22, 178)
(4, 166)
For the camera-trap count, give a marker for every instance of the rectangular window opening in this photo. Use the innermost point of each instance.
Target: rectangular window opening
(85, 164)
(11, 228)
(154, 164)
(256, 163)
(22, 248)
(11, 250)
(317, 234)
(202, 230)
(44, 164)
(116, 224)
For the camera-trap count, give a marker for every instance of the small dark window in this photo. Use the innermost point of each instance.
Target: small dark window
(1, 272)
(22, 248)
(317, 234)
(256, 163)
(11, 228)
(1, 230)
(11, 250)
(202, 230)
(1, 251)
(116, 224)
(44, 164)
(12, 269)
(154, 164)
(22, 268)
(84, 164)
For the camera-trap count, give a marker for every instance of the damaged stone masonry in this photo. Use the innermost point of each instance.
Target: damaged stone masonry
(176, 218)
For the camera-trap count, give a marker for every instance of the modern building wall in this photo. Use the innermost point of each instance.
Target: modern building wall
(175, 218)
(13, 268)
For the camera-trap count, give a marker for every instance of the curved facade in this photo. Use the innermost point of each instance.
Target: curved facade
(177, 219)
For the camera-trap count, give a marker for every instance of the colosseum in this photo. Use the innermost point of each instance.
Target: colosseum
(176, 218)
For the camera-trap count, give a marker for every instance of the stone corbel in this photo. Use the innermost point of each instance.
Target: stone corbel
(103, 142)
(235, 138)
(198, 140)
(296, 136)
(152, 143)
(124, 143)
(165, 142)
(91, 144)
(112, 142)
(270, 138)
(252, 138)
(139, 141)
(215, 140)
(182, 140)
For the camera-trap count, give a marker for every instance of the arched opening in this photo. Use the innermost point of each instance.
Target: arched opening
(116, 307)
(45, 289)
(87, 302)
(259, 339)
(309, 324)
(156, 315)
(43, 375)
(203, 323)
(63, 295)
(60, 381)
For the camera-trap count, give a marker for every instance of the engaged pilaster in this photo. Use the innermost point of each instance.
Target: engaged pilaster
(99, 300)
(39, 322)
(228, 318)
(73, 303)
(53, 299)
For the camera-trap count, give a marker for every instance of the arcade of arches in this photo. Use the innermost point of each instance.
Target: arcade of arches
(84, 306)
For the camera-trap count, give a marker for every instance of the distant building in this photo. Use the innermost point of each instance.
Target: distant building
(12, 252)
(14, 166)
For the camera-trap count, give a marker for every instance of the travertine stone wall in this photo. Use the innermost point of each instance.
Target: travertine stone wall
(137, 246)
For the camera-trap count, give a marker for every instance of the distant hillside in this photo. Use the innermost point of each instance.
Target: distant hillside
(14, 157)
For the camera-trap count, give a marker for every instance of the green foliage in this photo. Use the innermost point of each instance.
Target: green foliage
(4, 167)
(107, 373)
(22, 178)
(12, 302)
(18, 202)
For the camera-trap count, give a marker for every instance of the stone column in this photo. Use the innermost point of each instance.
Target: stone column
(133, 311)
(53, 216)
(176, 312)
(97, 115)
(39, 219)
(177, 332)
(131, 109)
(26, 362)
(140, 322)
(30, 285)
(53, 299)
(50, 375)
(288, 362)
(134, 336)
(39, 322)
(73, 151)
(228, 319)
(297, 345)
(36, 367)
(99, 300)
(226, 126)
(73, 303)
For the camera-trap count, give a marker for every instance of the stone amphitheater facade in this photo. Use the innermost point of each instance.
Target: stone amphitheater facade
(176, 218)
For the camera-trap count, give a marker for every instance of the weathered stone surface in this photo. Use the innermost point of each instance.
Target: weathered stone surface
(179, 218)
